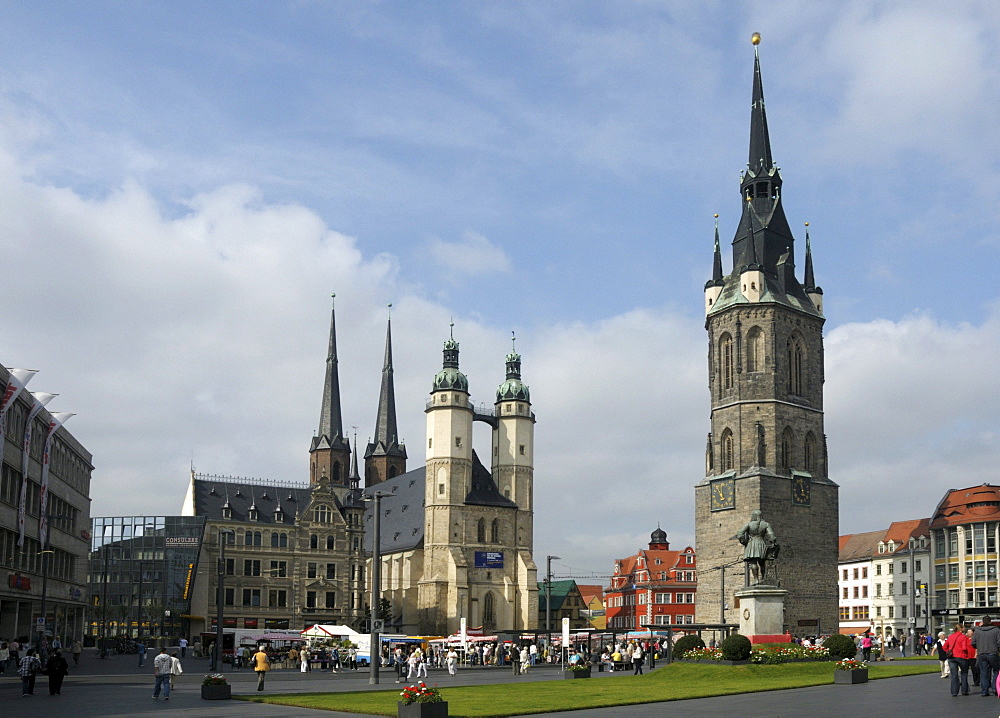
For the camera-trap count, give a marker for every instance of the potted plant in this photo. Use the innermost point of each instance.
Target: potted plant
(849, 671)
(419, 701)
(214, 687)
(577, 670)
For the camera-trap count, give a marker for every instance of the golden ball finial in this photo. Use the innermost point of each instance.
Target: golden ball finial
(807, 224)
(755, 38)
(716, 215)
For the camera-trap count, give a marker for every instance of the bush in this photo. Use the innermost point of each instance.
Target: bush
(735, 648)
(686, 643)
(840, 646)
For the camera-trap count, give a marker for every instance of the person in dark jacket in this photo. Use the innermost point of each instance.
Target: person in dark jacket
(986, 639)
(56, 668)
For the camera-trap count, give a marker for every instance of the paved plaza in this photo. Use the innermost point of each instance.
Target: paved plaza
(118, 687)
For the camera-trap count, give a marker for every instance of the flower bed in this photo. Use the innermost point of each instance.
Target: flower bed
(770, 655)
(420, 693)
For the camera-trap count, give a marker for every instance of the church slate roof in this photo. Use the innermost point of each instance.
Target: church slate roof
(401, 525)
(211, 495)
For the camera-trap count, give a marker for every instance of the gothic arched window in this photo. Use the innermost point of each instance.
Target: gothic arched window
(495, 531)
(810, 453)
(796, 366)
(786, 449)
(755, 349)
(336, 472)
(489, 612)
(726, 373)
(727, 450)
(481, 531)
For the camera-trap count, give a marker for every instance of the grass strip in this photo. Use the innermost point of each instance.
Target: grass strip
(677, 681)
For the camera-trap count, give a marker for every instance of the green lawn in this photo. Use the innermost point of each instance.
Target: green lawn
(673, 682)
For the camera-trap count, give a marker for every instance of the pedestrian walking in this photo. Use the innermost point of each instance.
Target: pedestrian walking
(304, 659)
(161, 673)
(452, 661)
(637, 660)
(175, 669)
(4, 657)
(959, 650)
(183, 645)
(262, 664)
(942, 655)
(28, 668)
(141, 649)
(986, 639)
(412, 662)
(77, 650)
(525, 659)
(56, 669)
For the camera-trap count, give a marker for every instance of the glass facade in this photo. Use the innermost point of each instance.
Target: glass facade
(142, 570)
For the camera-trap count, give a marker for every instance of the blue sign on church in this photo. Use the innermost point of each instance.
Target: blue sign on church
(489, 559)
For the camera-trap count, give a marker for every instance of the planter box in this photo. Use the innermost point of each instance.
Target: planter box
(577, 674)
(851, 677)
(217, 693)
(422, 710)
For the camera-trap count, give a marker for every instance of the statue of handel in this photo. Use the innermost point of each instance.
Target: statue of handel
(759, 545)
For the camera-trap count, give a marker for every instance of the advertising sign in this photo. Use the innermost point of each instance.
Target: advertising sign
(489, 559)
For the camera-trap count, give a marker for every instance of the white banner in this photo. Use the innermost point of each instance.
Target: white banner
(41, 399)
(464, 632)
(565, 636)
(57, 420)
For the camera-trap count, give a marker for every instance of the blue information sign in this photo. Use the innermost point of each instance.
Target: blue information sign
(489, 559)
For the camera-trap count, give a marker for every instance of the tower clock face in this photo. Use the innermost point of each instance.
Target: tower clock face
(723, 494)
(801, 490)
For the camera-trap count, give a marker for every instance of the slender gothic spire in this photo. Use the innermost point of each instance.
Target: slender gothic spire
(354, 479)
(331, 431)
(760, 143)
(810, 280)
(385, 456)
(717, 278)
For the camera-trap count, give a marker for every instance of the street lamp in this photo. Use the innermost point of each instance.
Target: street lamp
(375, 647)
(44, 553)
(548, 594)
(217, 653)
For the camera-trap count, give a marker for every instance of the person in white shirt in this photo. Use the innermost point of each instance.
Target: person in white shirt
(452, 660)
(162, 666)
(175, 668)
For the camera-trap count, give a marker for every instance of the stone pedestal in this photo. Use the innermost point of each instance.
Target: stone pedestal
(762, 611)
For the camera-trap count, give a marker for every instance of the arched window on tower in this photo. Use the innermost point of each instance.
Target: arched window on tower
(786, 449)
(755, 349)
(796, 362)
(727, 450)
(481, 531)
(726, 373)
(336, 472)
(495, 531)
(810, 453)
(489, 612)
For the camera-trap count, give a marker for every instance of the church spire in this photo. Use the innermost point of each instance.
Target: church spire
(354, 478)
(717, 279)
(760, 142)
(385, 457)
(329, 449)
(810, 280)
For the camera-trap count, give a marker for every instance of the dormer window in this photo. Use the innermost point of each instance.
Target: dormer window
(227, 512)
(279, 516)
(252, 514)
(881, 547)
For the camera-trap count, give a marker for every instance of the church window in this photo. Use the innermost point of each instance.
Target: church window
(755, 349)
(810, 452)
(521, 449)
(481, 531)
(430, 443)
(322, 514)
(458, 442)
(393, 471)
(796, 368)
(440, 489)
(786, 449)
(489, 612)
(727, 450)
(726, 357)
(495, 531)
(762, 190)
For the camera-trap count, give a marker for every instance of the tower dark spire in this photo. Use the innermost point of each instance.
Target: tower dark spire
(354, 478)
(717, 278)
(385, 457)
(760, 142)
(329, 449)
(810, 280)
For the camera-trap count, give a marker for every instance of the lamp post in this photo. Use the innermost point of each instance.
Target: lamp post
(217, 653)
(44, 553)
(548, 595)
(375, 648)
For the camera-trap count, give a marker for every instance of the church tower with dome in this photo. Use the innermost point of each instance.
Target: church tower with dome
(767, 446)
(478, 524)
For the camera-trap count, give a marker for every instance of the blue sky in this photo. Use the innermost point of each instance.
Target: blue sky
(184, 184)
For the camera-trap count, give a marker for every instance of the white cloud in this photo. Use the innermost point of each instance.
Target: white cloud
(473, 254)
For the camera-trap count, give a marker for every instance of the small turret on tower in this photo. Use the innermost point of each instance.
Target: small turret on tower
(713, 287)
(812, 291)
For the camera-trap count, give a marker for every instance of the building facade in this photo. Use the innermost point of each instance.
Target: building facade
(656, 586)
(141, 575)
(767, 447)
(965, 531)
(567, 602)
(48, 566)
(456, 538)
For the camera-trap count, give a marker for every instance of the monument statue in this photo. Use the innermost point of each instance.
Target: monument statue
(759, 545)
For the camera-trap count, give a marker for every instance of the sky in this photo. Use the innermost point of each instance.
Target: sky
(183, 186)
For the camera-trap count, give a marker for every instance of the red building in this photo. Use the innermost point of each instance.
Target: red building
(655, 586)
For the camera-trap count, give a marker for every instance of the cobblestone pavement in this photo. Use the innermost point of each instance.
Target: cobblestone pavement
(117, 686)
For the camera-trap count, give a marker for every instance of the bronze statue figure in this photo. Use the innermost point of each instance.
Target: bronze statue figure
(759, 545)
